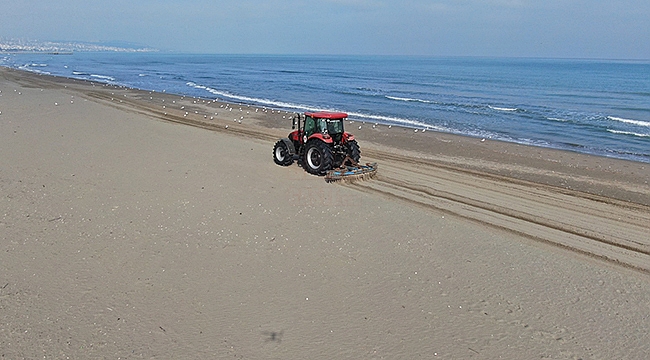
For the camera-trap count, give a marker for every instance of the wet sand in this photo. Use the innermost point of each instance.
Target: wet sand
(132, 227)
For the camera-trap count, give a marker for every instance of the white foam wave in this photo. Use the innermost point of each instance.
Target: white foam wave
(396, 120)
(629, 121)
(356, 116)
(250, 99)
(502, 108)
(30, 69)
(557, 119)
(407, 99)
(103, 77)
(353, 115)
(628, 133)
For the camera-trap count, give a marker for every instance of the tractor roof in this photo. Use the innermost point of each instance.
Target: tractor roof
(327, 115)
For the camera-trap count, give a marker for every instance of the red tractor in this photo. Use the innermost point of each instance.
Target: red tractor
(320, 144)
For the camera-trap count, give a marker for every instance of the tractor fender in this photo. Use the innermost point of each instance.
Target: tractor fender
(324, 138)
(347, 137)
(295, 135)
(290, 147)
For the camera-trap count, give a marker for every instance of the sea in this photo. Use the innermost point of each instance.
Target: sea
(599, 107)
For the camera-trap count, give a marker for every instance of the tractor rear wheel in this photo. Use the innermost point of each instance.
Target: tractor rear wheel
(353, 150)
(318, 157)
(281, 154)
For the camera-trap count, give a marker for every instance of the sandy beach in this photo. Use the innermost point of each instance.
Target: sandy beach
(137, 224)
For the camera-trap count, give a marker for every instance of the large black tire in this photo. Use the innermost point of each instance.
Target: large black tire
(281, 154)
(353, 150)
(318, 157)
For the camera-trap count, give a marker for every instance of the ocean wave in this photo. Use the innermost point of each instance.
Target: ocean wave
(80, 73)
(361, 92)
(266, 102)
(30, 69)
(628, 133)
(630, 121)
(557, 119)
(408, 99)
(290, 72)
(502, 108)
(102, 77)
(367, 89)
(397, 121)
(445, 106)
(357, 116)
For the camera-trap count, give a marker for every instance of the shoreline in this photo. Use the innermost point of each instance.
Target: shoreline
(567, 148)
(615, 134)
(126, 233)
(615, 178)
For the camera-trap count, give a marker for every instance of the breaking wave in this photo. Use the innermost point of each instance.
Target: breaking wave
(628, 133)
(502, 108)
(353, 115)
(629, 121)
(408, 99)
(265, 102)
(32, 68)
(102, 77)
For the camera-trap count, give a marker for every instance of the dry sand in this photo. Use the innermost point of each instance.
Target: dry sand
(125, 233)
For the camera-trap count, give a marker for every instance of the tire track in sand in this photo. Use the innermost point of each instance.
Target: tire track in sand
(603, 228)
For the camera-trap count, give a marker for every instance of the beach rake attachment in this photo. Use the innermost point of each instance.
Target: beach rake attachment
(351, 173)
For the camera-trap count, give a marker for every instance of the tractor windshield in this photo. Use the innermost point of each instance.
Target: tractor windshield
(332, 126)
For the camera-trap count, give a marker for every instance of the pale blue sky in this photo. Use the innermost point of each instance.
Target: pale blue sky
(521, 28)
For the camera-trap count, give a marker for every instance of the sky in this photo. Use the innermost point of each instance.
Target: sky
(601, 29)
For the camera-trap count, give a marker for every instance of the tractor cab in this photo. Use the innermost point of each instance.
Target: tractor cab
(327, 126)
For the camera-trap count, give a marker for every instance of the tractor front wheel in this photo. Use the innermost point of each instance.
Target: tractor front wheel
(281, 154)
(318, 157)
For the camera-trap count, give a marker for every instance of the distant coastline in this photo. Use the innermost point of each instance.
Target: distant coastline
(13, 46)
(37, 52)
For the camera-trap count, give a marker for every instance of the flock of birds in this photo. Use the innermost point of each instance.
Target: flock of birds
(225, 106)
(229, 107)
